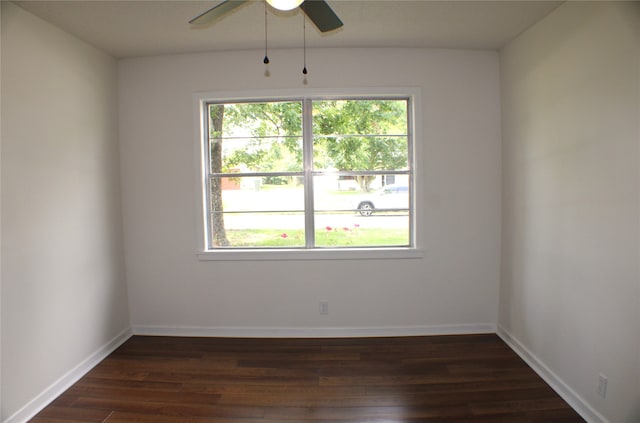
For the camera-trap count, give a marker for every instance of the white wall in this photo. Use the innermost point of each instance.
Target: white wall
(63, 289)
(570, 292)
(0, 225)
(455, 284)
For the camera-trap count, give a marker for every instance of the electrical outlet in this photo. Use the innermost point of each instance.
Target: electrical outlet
(602, 385)
(324, 307)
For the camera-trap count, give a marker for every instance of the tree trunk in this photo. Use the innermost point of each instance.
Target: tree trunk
(217, 220)
(364, 182)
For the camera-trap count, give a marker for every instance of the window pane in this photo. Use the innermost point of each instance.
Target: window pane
(358, 153)
(266, 119)
(248, 193)
(338, 117)
(347, 215)
(335, 192)
(255, 137)
(360, 135)
(267, 154)
(264, 230)
(335, 229)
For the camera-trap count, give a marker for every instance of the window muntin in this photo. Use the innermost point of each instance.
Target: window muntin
(262, 196)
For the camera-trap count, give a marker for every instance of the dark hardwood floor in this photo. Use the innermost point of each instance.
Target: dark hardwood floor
(468, 378)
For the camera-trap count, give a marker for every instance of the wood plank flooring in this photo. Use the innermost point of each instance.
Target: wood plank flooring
(448, 379)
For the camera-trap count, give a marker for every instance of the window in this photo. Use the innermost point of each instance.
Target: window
(326, 173)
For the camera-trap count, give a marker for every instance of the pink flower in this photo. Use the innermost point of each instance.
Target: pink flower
(356, 225)
(284, 236)
(329, 228)
(346, 229)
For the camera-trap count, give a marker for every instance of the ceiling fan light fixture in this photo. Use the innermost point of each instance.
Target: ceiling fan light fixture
(284, 5)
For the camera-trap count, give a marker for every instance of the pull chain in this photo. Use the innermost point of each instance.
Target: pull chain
(266, 57)
(304, 43)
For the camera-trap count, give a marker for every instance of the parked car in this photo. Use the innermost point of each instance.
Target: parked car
(394, 197)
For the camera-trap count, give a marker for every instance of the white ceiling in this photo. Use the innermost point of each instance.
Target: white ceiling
(152, 27)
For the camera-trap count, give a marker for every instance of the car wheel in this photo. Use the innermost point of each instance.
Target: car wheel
(365, 208)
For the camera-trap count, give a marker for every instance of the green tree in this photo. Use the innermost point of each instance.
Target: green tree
(274, 135)
(356, 135)
(361, 135)
(272, 126)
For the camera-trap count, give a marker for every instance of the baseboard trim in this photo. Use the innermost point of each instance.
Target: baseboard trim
(65, 382)
(557, 384)
(312, 332)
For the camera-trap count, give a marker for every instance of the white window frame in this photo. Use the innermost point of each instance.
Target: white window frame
(201, 101)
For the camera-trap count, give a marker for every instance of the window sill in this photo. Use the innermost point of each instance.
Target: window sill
(318, 254)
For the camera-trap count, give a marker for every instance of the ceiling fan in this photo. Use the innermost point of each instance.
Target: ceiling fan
(318, 12)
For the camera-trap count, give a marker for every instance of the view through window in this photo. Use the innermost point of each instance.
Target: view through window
(309, 173)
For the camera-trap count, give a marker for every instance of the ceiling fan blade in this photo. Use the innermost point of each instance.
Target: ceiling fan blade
(321, 15)
(216, 11)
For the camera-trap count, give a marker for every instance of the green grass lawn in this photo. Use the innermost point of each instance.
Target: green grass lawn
(335, 237)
